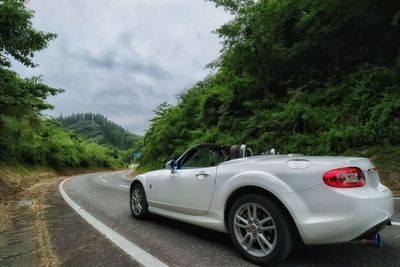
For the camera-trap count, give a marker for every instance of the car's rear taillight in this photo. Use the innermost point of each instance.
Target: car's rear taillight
(345, 177)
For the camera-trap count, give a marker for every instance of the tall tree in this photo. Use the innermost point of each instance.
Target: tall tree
(18, 38)
(21, 100)
(318, 77)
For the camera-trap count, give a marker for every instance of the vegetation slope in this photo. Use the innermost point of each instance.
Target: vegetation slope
(98, 128)
(26, 137)
(312, 77)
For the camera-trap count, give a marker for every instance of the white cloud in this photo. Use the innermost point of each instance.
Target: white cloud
(122, 58)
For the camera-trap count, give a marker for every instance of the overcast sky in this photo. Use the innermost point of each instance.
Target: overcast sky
(122, 58)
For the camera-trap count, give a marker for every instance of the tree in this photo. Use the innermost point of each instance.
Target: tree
(18, 38)
(312, 77)
(21, 96)
(98, 128)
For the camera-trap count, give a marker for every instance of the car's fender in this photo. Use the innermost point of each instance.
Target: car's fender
(149, 183)
(227, 184)
(143, 181)
(260, 179)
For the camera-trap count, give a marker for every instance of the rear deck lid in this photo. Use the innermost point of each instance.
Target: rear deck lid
(368, 168)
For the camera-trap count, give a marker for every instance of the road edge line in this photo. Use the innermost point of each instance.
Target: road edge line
(127, 246)
(124, 176)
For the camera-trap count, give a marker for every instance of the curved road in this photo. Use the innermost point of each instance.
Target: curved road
(105, 196)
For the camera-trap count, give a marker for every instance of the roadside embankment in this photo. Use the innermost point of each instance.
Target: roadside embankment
(24, 235)
(17, 178)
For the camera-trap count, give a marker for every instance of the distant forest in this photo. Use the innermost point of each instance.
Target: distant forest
(98, 128)
(26, 136)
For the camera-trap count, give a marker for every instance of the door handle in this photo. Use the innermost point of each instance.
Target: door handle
(202, 175)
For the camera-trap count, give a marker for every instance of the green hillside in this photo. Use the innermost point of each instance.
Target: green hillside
(98, 128)
(312, 77)
(26, 137)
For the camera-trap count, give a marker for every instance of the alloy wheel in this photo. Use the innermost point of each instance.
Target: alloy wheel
(137, 201)
(255, 229)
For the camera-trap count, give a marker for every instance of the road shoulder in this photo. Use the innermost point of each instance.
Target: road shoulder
(24, 239)
(76, 242)
(38, 228)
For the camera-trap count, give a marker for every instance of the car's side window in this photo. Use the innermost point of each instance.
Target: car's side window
(205, 157)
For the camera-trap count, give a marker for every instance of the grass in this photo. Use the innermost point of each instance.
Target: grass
(387, 160)
(16, 178)
(48, 256)
(19, 182)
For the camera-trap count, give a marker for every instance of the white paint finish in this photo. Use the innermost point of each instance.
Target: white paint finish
(212, 220)
(347, 214)
(127, 246)
(190, 188)
(298, 164)
(149, 182)
(126, 186)
(322, 214)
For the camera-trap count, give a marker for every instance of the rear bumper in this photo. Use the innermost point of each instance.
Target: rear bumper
(376, 229)
(326, 215)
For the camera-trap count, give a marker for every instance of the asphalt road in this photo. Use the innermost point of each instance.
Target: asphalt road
(105, 196)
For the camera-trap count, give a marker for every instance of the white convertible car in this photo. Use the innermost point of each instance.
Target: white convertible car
(267, 202)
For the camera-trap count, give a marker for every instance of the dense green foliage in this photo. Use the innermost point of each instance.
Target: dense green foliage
(312, 77)
(17, 36)
(25, 136)
(98, 128)
(34, 140)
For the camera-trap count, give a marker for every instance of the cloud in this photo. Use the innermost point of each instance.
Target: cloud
(123, 58)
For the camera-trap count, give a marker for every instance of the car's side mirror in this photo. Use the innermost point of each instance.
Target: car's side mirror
(172, 165)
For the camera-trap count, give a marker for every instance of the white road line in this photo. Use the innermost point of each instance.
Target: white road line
(396, 223)
(124, 186)
(104, 180)
(127, 246)
(124, 176)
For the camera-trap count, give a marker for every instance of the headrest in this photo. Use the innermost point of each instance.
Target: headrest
(235, 152)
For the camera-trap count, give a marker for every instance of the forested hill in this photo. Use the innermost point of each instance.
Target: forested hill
(311, 77)
(100, 129)
(26, 137)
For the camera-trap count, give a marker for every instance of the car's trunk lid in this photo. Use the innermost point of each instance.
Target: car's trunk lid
(371, 173)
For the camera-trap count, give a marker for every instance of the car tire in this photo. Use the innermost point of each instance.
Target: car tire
(263, 237)
(138, 202)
